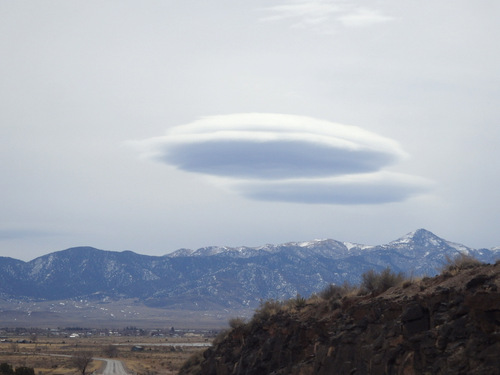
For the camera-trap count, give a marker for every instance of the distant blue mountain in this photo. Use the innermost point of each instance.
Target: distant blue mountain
(222, 277)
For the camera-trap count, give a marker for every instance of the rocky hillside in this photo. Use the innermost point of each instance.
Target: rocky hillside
(449, 324)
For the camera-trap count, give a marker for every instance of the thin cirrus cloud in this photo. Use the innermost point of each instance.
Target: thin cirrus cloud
(288, 158)
(322, 15)
(363, 17)
(9, 234)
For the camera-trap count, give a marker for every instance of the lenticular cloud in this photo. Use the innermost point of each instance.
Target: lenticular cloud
(286, 158)
(273, 146)
(371, 188)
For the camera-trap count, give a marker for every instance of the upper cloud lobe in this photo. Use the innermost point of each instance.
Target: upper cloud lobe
(287, 158)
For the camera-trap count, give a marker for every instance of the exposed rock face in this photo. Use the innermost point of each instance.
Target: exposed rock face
(449, 324)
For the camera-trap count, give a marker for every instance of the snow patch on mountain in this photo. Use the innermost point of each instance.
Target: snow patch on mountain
(459, 247)
(352, 245)
(222, 276)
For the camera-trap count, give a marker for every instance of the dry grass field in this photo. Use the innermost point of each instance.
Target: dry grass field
(50, 355)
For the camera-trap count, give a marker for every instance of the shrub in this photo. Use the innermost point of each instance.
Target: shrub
(332, 291)
(6, 369)
(236, 322)
(268, 308)
(110, 351)
(369, 281)
(335, 292)
(298, 302)
(376, 283)
(458, 263)
(23, 370)
(407, 283)
(221, 336)
(192, 366)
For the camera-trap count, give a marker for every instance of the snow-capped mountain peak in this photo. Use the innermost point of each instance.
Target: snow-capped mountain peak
(224, 276)
(421, 237)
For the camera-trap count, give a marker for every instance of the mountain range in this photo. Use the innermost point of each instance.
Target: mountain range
(218, 278)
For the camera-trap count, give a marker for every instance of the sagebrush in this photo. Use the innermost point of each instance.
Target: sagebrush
(378, 282)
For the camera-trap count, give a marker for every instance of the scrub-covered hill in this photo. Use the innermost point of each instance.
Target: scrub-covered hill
(449, 324)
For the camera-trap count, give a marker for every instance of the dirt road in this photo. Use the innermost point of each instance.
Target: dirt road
(113, 367)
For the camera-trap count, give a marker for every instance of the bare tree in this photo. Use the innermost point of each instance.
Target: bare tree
(14, 347)
(34, 339)
(82, 360)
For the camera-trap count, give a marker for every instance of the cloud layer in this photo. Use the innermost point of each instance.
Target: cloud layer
(288, 158)
(375, 188)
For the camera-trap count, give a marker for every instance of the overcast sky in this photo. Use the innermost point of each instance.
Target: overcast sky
(158, 125)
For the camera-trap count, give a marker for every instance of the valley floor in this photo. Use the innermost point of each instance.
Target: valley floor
(107, 314)
(151, 355)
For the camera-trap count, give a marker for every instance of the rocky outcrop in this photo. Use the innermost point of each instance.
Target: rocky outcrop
(449, 324)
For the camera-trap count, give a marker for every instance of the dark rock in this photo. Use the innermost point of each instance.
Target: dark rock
(412, 311)
(415, 319)
(476, 281)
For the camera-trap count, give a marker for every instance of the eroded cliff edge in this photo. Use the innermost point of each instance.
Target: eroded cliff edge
(449, 324)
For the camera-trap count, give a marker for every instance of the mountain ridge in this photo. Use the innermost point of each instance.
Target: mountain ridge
(221, 277)
(423, 237)
(420, 234)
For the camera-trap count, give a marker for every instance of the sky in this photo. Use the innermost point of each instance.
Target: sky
(157, 125)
